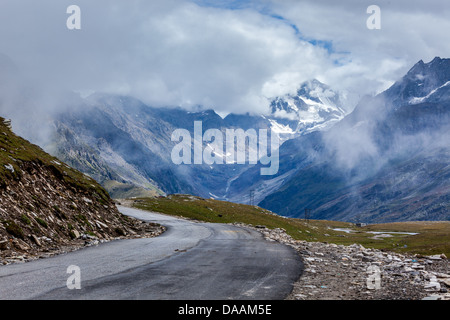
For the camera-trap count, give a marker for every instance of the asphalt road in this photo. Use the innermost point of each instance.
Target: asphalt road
(190, 261)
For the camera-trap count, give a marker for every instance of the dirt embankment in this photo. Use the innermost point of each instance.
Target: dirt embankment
(41, 216)
(48, 208)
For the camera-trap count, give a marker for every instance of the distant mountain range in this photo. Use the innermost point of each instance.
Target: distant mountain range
(384, 160)
(126, 145)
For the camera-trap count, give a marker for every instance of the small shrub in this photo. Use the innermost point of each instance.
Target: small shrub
(59, 213)
(82, 218)
(25, 219)
(42, 222)
(14, 230)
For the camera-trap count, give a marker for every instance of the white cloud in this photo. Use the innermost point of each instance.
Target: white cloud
(230, 56)
(371, 60)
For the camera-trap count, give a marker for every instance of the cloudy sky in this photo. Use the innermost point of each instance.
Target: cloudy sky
(226, 55)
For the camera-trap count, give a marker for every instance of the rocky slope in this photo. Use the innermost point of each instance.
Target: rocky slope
(46, 207)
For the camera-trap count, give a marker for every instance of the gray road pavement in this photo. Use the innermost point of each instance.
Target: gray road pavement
(190, 261)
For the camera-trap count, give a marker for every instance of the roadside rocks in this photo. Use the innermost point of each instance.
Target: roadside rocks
(12, 251)
(338, 272)
(46, 207)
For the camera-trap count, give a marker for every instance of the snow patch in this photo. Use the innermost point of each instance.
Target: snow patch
(416, 100)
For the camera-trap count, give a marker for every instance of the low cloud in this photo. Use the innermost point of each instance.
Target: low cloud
(230, 56)
(163, 52)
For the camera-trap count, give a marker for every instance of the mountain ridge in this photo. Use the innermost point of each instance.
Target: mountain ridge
(386, 161)
(108, 123)
(126, 145)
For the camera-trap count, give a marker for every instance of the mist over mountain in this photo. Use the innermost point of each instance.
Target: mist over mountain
(126, 144)
(386, 161)
(120, 140)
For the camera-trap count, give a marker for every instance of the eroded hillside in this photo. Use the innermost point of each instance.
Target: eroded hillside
(47, 207)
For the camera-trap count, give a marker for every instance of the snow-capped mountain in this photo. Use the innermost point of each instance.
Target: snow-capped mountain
(424, 82)
(126, 145)
(386, 161)
(120, 140)
(315, 106)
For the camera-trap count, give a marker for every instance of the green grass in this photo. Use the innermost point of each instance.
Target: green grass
(42, 222)
(432, 238)
(118, 190)
(25, 219)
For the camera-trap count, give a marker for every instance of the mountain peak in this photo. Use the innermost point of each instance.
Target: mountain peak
(421, 80)
(436, 60)
(437, 65)
(315, 106)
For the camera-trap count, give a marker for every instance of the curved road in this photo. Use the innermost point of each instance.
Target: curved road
(190, 261)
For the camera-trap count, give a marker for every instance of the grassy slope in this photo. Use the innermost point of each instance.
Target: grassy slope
(433, 237)
(118, 190)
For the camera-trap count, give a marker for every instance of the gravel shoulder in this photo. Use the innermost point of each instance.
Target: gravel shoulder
(337, 272)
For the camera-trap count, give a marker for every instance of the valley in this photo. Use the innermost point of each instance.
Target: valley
(383, 161)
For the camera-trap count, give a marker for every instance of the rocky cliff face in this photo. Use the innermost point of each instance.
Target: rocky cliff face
(47, 207)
